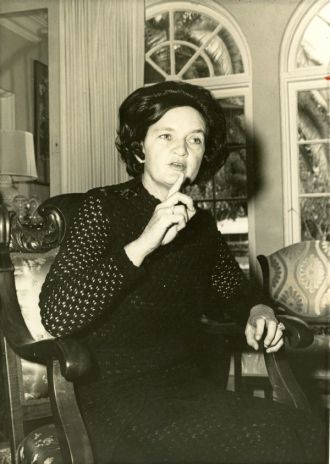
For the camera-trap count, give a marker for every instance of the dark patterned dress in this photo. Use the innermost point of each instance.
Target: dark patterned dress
(146, 400)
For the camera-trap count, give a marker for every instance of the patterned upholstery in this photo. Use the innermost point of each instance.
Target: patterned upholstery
(299, 280)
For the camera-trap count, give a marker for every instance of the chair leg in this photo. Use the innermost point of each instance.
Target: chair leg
(13, 407)
(72, 434)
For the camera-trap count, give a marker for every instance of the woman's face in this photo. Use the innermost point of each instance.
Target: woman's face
(173, 145)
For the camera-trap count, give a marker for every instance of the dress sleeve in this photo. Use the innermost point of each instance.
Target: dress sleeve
(89, 272)
(231, 290)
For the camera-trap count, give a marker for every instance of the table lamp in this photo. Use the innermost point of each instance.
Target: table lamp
(17, 163)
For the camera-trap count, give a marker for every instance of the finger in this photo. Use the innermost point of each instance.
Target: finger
(271, 330)
(181, 224)
(179, 197)
(180, 209)
(277, 337)
(177, 185)
(170, 219)
(260, 327)
(174, 225)
(250, 336)
(276, 347)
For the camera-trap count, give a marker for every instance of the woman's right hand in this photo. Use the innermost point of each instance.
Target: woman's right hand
(168, 219)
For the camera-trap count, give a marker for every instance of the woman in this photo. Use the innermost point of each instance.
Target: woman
(138, 268)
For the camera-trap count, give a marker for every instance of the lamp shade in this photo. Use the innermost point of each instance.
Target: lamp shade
(17, 158)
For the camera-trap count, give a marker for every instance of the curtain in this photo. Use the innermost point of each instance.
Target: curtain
(101, 62)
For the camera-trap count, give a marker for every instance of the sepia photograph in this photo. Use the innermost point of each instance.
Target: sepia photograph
(164, 231)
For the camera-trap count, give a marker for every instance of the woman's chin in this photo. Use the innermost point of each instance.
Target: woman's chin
(174, 175)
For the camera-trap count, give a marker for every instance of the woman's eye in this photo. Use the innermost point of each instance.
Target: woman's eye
(165, 137)
(196, 140)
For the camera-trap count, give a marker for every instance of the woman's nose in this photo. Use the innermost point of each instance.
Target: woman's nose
(181, 148)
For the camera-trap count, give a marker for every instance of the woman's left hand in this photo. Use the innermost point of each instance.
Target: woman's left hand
(262, 319)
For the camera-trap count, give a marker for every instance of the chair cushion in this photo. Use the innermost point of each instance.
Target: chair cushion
(30, 272)
(40, 447)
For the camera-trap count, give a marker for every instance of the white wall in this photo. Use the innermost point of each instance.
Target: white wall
(17, 54)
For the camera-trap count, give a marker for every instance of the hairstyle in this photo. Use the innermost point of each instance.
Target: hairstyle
(146, 105)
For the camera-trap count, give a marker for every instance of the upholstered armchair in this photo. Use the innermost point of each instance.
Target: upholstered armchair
(297, 280)
(43, 418)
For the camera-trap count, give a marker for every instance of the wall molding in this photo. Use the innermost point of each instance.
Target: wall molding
(32, 27)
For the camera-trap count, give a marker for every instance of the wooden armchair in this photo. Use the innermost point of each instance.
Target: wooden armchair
(62, 438)
(297, 281)
(49, 424)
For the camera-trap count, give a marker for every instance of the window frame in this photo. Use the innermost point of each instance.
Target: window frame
(206, 7)
(293, 80)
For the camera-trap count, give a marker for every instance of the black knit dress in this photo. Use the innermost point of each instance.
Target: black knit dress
(146, 400)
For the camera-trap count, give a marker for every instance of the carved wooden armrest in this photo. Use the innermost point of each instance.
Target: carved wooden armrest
(284, 385)
(73, 356)
(297, 332)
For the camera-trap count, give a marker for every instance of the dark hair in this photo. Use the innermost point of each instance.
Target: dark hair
(146, 105)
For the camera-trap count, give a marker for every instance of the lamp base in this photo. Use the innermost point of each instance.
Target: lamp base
(8, 191)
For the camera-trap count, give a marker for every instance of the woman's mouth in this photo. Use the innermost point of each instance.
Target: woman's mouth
(178, 166)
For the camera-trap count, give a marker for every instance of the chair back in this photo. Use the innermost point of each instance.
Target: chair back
(297, 278)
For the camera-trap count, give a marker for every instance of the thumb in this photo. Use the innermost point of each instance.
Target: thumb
(177, 185)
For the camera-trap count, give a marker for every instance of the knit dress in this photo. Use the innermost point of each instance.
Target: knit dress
(146, 400)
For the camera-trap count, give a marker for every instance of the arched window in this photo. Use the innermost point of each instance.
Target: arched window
(200, 42)
(305, 60)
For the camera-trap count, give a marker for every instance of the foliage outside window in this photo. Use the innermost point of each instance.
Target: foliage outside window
(313, 134)
(314, 47)
(308, 156)
(184, 43)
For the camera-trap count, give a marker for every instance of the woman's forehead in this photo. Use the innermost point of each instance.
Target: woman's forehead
(184, 117)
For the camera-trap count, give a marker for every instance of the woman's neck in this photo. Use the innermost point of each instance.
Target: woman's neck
(156, 190)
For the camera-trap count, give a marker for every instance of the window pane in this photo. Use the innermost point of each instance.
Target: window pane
(232, 222)
(151, 75)
(182, 55)
(197, 69)
(187, 22)
(314, 114)
(314, 167)
(234, 111)
(156, 31)
(315, 45)
(162, 58)
(232, 209)
(203, 191)
(221, 49)
(231, 180)
(315, 218)
(208, 205)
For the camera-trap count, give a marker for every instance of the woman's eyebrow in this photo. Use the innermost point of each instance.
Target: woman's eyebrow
(160, 129)
(171, 129)
(198, 131)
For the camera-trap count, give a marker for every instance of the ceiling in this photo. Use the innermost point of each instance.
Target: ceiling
(32, 25)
